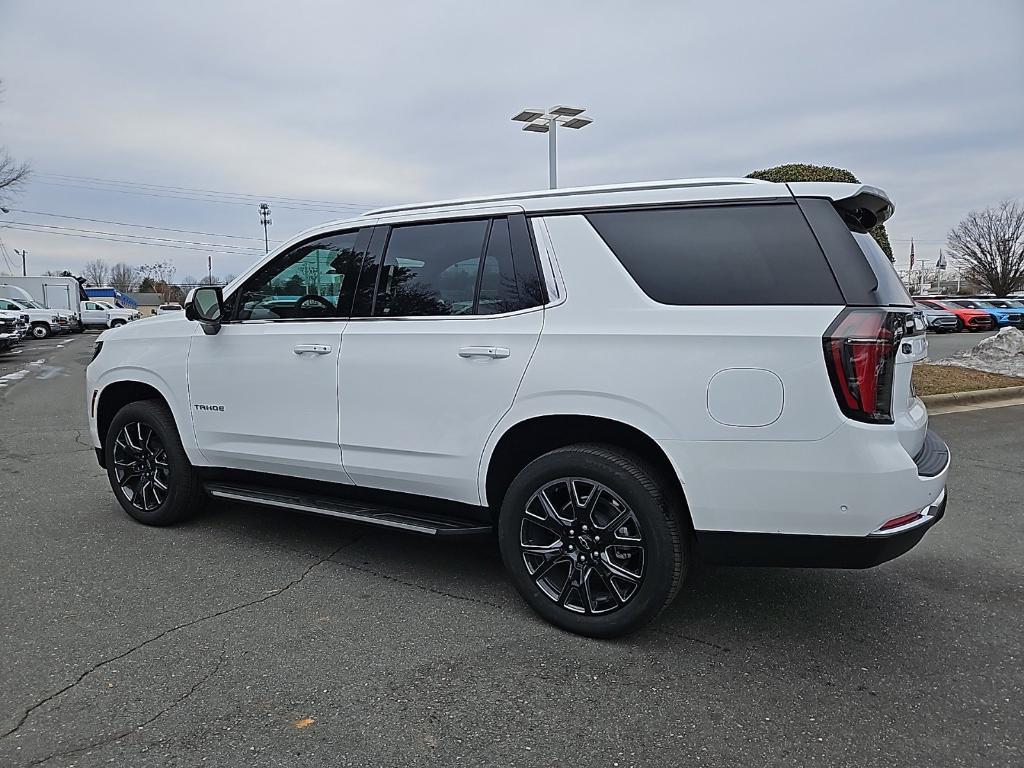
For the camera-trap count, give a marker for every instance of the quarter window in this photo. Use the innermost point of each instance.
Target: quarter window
(313, 280)
(721, 255)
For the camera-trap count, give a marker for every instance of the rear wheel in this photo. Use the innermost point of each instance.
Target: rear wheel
(148, 470)
(592, 540)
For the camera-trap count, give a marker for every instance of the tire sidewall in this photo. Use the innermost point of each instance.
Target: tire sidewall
(155, 417)
(40, 331)
(650, 511)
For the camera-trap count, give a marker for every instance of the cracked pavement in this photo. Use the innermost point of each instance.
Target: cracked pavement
(259, 638)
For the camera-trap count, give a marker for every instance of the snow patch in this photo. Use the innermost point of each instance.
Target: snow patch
(1002, 353)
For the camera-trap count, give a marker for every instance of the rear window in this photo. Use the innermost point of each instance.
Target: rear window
(721, 255)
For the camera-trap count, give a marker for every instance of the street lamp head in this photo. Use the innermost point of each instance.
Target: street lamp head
(564, 111)
(536, 127)
(528, 115)
(577, 122)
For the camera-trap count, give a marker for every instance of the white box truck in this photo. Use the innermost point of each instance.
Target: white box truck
(64, 294)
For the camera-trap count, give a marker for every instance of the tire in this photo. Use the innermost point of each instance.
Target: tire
(40, 331)
(143, 436)
(117, 323)
(643, 530)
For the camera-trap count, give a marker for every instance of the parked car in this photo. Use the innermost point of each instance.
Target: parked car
(591, 374)
(938, 320)
(14, 323)
(1005, 311)
(970, 319)
(67, 322)
(166, 309)
(13, 327)
(1000, 316)
(97, 313)
(42, 322)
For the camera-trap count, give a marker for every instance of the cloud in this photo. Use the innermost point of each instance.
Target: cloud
(391, 102)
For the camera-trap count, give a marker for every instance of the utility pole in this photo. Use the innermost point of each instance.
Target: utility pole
(266, 222)
(23, 253)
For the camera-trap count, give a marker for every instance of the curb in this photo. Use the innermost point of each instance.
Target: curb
(974, 397)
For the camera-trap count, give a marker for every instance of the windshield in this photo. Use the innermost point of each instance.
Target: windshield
(968, 304)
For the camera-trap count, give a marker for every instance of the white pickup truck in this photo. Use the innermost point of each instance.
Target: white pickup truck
(96, 312)
(42, 322)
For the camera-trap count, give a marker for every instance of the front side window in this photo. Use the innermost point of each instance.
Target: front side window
(313, 280)
(431, 269)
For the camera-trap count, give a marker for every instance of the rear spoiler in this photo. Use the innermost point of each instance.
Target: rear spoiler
(867, 205)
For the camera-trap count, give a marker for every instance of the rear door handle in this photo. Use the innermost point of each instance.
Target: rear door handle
(495, 353)
(313, 349)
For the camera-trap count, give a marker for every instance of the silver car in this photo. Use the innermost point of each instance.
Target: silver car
(938, 320)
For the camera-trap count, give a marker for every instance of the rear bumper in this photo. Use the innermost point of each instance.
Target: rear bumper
(798, 551)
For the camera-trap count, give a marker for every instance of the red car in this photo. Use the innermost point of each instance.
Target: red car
(970, 319)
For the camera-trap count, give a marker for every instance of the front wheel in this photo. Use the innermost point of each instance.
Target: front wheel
(117, 323)
(148, 470)
(40, 331)
(593, 540)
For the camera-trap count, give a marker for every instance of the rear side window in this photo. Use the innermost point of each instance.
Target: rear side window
(469, 267)
(721, 255)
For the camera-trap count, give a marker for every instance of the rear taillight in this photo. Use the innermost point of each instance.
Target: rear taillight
(860, 354)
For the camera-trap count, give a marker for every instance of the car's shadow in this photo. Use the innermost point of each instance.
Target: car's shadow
(810, 610)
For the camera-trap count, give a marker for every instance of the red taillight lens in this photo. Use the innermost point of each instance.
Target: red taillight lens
(860, 354)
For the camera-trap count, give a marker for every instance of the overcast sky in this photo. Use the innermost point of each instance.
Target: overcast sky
(362, 104)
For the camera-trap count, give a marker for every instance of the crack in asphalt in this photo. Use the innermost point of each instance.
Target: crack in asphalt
(78, 439)
(135, 729)
(414, 585)
(99, 665)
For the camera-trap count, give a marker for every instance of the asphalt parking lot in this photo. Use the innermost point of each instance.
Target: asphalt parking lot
(257, 638)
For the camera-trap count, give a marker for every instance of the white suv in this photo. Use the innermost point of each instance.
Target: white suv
(614, 380)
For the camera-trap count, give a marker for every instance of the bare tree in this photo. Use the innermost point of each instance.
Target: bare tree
(124, 277)
(989, 245)
(12, 173)
(96, 272)
(160, 276)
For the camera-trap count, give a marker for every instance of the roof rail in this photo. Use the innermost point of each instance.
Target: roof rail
(569, 191)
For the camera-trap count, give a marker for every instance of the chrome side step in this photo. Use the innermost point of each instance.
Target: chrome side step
(387, 517)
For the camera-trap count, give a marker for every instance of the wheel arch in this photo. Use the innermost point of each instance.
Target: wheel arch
(118, 394)
(530, 438)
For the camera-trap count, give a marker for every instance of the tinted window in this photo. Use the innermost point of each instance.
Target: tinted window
(890, 291)
(431, 269)
(726, 255)
(310, 281)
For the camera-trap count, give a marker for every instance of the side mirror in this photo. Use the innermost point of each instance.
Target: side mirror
(205, 305)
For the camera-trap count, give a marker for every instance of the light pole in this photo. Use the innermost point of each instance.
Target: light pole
(23, 253)
(265, 221)
(539, 121)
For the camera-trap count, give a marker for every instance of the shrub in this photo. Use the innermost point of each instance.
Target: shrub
(805, 172)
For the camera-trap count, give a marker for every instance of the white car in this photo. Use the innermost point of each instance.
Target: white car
(615, 380)
(42, 322)
(168, 309)
(101, 313)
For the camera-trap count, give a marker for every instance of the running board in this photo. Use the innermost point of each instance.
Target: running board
(402, 519)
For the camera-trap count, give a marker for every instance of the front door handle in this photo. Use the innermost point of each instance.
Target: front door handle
(495, 353)
(313, 349)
